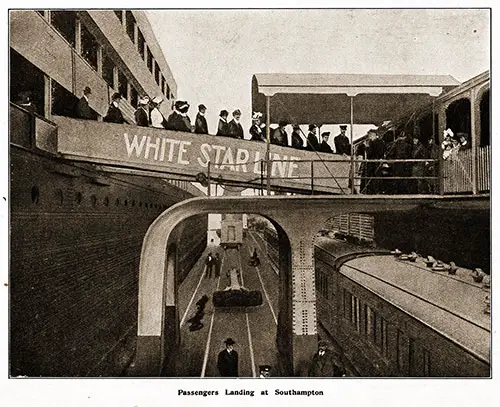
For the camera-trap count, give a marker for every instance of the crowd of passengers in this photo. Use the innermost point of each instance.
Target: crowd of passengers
(373, 147)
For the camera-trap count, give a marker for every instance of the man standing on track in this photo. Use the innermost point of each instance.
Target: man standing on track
(210, 265)
(227, 361)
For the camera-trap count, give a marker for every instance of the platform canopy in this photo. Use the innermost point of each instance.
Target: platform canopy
(326, 98)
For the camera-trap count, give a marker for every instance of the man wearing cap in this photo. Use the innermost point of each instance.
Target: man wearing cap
(280, 136)
(157, 119)
(296, 137)
(223, 126)
(227, 361)
(312, 139)
(83, 110)
(235, 128)
(342, 145)
(324, 147)
(114, 114)
(200, 124)
(325, 363)
(142, 112)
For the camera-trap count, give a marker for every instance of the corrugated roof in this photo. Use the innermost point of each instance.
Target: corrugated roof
(326, 98)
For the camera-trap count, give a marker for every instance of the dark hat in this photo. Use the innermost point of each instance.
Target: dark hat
(325, 134)
(229, 341)
(223, 113)
(312, 126)
(296, 127)
(283, 123)
(322, 343)
(116, 96)
(87, 90)
(237, 112)
(202, 107)
(343, 127)
(264, 368)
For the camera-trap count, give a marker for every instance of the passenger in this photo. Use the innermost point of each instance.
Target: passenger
(217, 265)
(418, 185)
(279, 135)
(324, 146)
(179, 120)
(400, 149)
(223, 126)
(374, 151)
(312, 139)
(114, 114)
(235, 128)
(24, 99)
(227, 360)
(83, 110)
(325, 363)
(264, 371)
(342, 145)
(142, 112)
(200, 124)
(254, 259)
(296, 137)
(209, 265)
(157, 119)
(256, 132)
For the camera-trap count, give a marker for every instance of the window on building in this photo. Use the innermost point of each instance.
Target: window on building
(108, 71)
(26, 79)
(411, 356)
(122, 85)
(90, 47)
(347, 304)
(369, 323)
(63, 101)
(157, 74)
(119, 15)
(162, 84)
(168, 92)
(133, 96)
(355, 312)
(401, 346)
(381, 339)
(130, 24)
(141, 44)
(150, 60)
(65, 23)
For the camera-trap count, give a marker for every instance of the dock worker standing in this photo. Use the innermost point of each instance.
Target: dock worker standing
(235, 128)
(114, 114)
(83, 110)
(324, 147)
(342, 145)
(142, 113)
(200, 124)
(227, 361)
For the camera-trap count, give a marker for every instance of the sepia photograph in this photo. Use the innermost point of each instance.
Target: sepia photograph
(222, 193)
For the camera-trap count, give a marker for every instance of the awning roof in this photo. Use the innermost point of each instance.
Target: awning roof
(325, 98)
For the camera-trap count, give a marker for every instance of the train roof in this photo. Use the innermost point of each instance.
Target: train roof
(452, 305)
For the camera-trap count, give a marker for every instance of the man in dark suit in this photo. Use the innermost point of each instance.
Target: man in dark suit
(324, 147)
(83, 110)
(296, 137)
(326, 363)
(223, 126)
(312, 140)
(142, 112)
(342, 145)
(235, 128)
(200, 124)
(114, 114)
(227, 361)
(279, 135)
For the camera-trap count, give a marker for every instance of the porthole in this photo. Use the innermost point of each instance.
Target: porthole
(35, 194)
